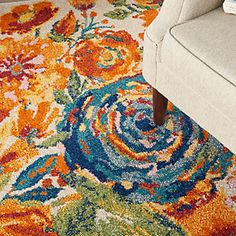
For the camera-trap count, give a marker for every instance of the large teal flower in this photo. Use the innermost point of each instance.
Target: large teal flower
(113, 137)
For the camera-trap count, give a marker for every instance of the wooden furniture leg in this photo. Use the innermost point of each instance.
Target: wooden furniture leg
(159, 107)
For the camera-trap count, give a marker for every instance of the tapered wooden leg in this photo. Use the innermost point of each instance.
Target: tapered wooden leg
(159, 107)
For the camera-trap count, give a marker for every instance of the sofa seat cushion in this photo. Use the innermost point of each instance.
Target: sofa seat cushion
(202, 53)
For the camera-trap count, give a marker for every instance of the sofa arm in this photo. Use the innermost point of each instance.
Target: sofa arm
(178, 11)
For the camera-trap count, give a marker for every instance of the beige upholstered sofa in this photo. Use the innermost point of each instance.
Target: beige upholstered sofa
(190, 59)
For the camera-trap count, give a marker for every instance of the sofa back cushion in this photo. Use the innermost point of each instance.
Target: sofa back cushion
(194, 8)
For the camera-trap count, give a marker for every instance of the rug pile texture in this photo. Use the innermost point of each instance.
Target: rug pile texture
(79, 152)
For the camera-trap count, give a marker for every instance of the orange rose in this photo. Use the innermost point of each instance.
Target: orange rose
(148, 2)
(82, 4)
(110, 57)
(17, 219)
(24, 18)
(66, 26)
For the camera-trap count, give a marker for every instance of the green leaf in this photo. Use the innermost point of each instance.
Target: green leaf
(31, 135)
(52, 141)
(57, 38)
(4, 179)
(140, 50)
(74, 85)
(77, 26)
(61, 97)
(101, 211)
(37, 32)
(84, 85)
(118, 14)
(154, 7)
(131, 8)
(118, 3)
(89, 36)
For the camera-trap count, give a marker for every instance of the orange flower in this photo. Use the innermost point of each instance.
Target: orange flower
(110, 57)
(82, 4)
(148, 2)
(218, 218)
(29, 125)
(17, 63)
(24, 18)
(3, 113)
(16, 156)
(93, 14)
(35, 121)
(105, 21)
(29, 71)
(147, 16)
(17, 219)
(66, 26)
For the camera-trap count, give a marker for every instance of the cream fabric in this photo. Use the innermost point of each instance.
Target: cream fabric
(177, 11)
(196, 106)
(149, 60)
(195, 58)
(229, 6)
(195, 8)
(221, 40)
(187, 68)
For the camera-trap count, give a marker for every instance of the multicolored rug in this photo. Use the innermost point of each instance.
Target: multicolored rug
(79, 153)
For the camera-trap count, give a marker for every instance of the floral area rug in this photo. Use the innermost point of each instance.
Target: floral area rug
(79, 153)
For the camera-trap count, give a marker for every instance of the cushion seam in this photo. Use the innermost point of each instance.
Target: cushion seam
(151, 39)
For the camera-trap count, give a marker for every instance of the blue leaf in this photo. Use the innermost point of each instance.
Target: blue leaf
(37, 194)
(35, 172)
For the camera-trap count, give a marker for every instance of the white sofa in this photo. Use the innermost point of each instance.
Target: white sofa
(190, 59)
